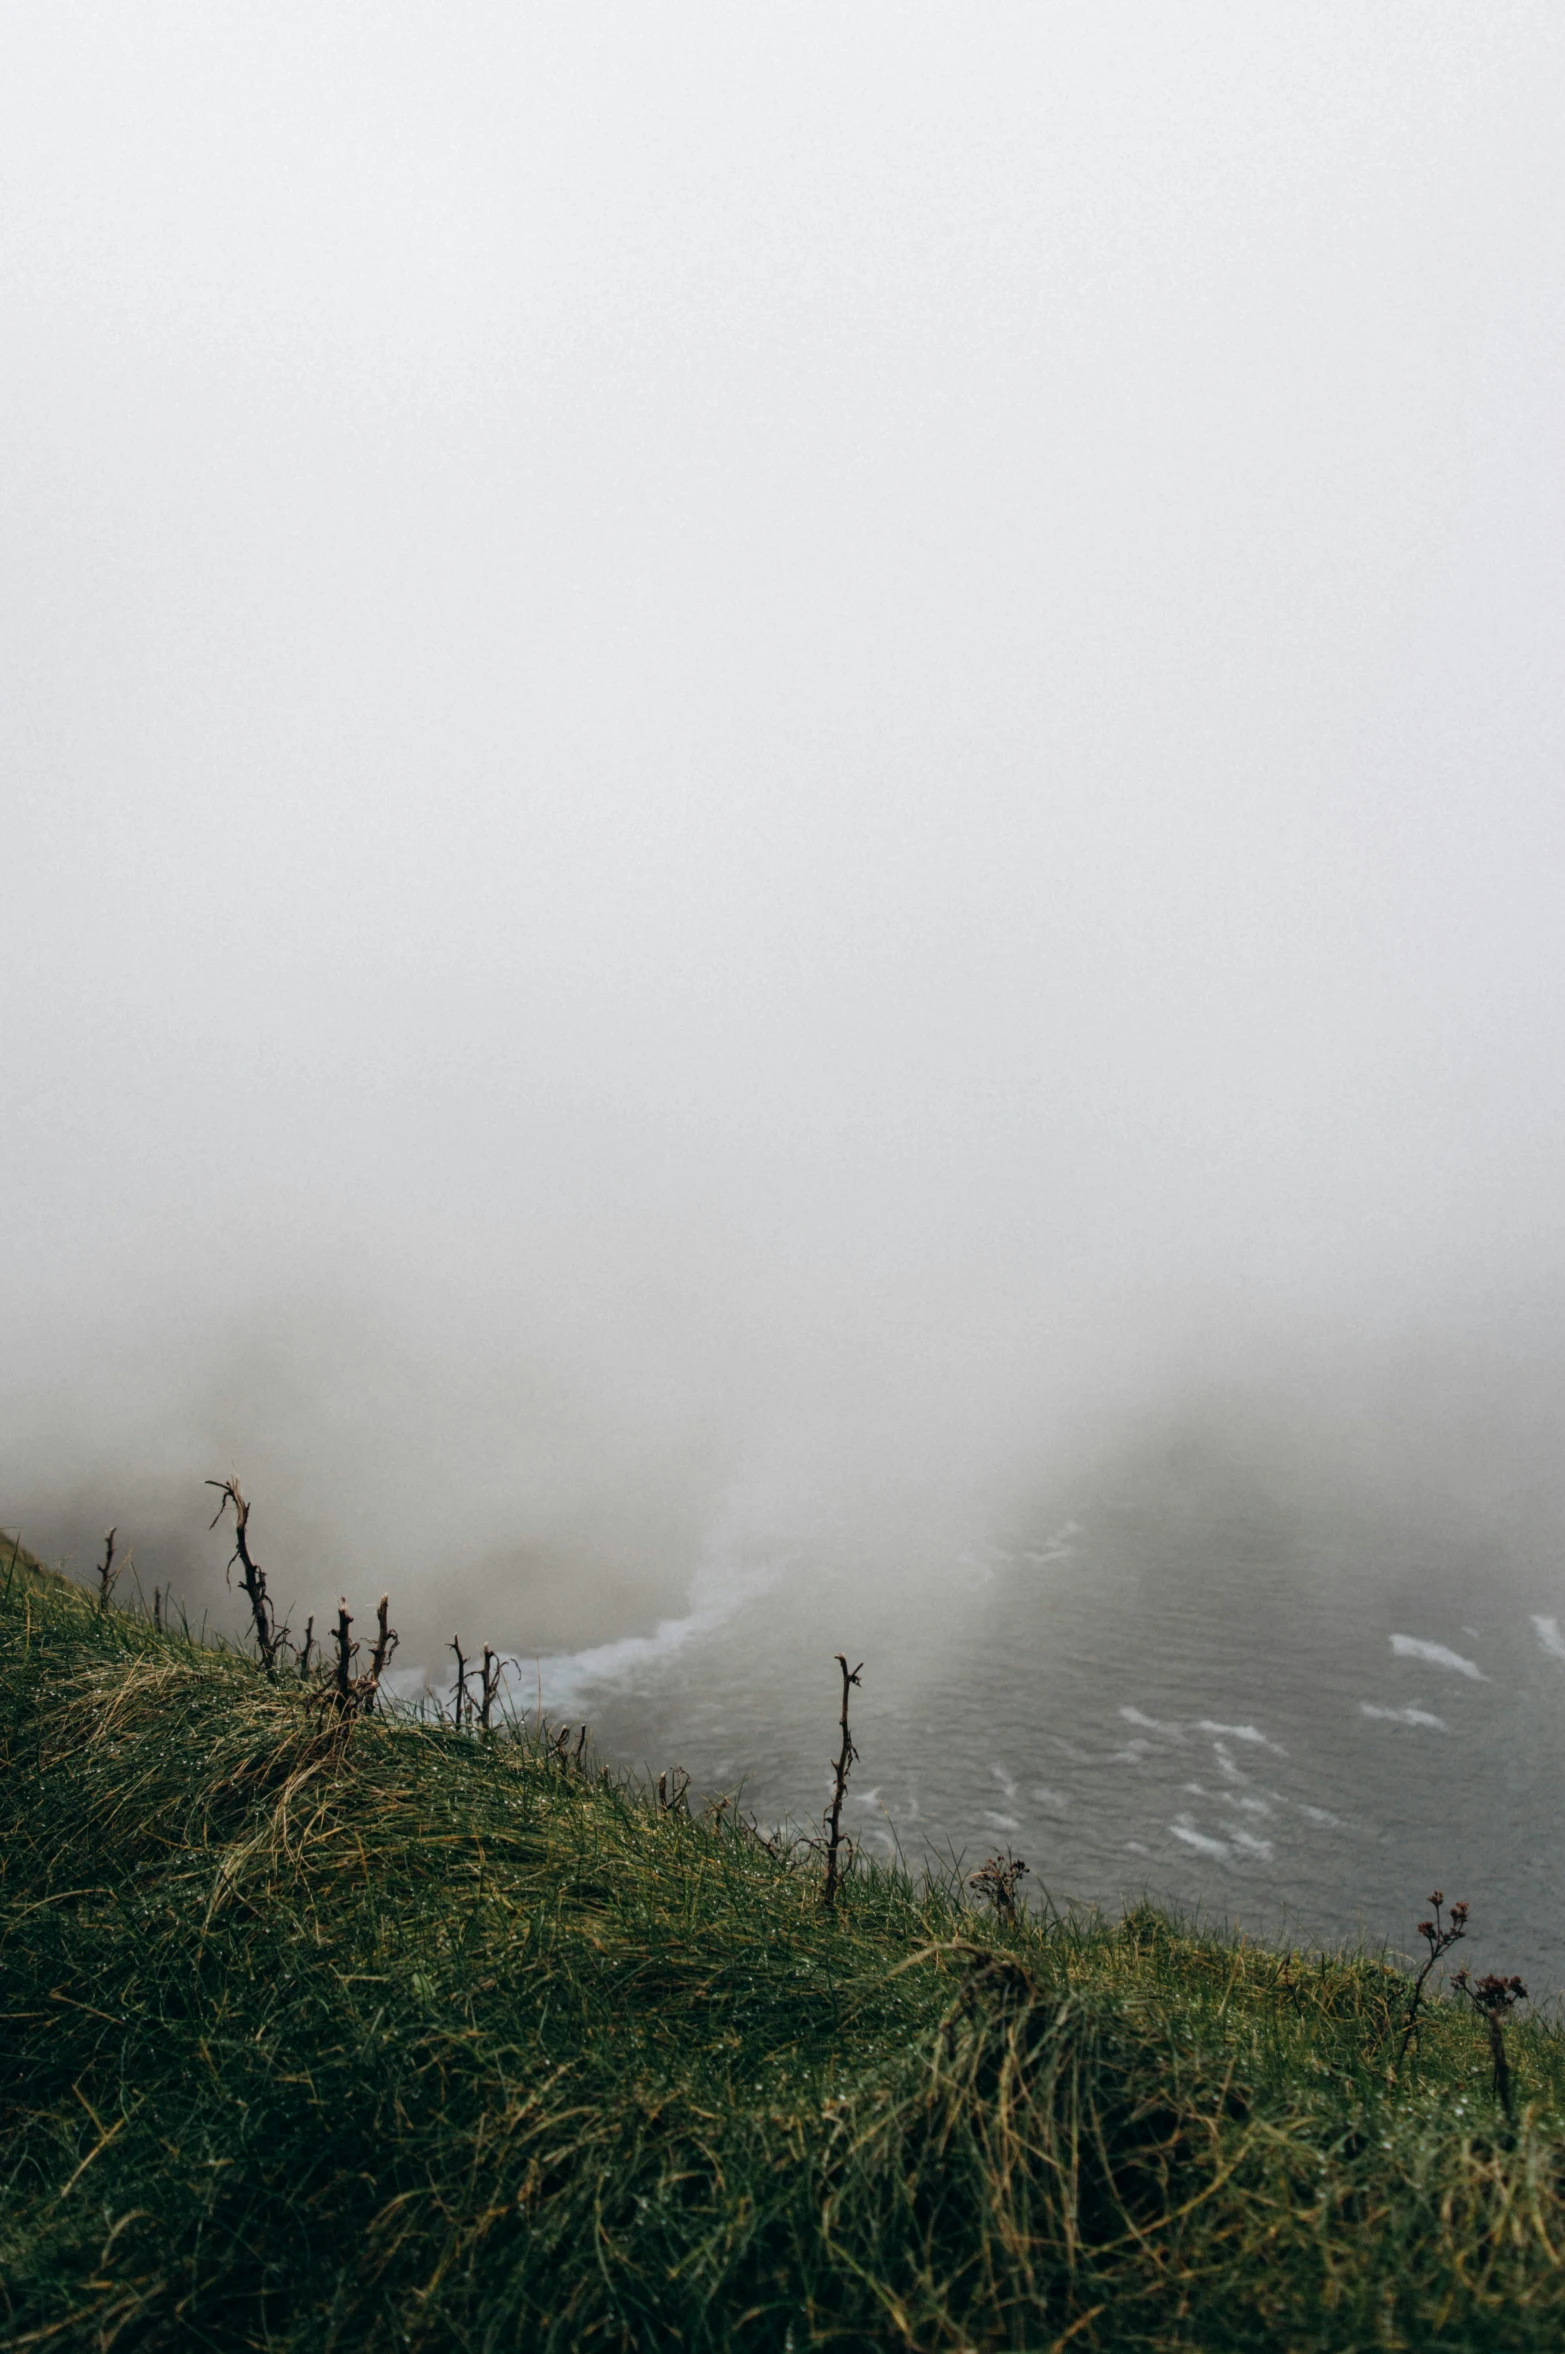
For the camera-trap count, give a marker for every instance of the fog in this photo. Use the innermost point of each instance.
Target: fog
(761, 765)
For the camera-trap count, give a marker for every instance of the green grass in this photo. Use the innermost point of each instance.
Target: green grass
(430, 2042)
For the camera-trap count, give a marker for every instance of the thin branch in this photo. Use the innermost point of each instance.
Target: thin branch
(493, 1669)
(348, 1694)
(1495, 1999)
(342, 1685)
(1439, 1936)
(386, 1640)
(270, 1638)
(107, 1573)
(997, 1882)
(846, 1756)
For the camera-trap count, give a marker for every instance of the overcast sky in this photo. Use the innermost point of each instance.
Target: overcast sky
(743, 740)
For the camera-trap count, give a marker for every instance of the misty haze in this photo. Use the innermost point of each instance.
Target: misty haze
(783, 837)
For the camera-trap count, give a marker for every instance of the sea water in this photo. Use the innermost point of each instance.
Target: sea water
(1297, 1714)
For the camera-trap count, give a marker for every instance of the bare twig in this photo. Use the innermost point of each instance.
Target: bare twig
(352, 1695)
(341, 1686)
(108, 1575)
(270, 1638)
(1495, 1999)
(386, 1640)
(491, 1672)
(777, 1842)
(460, 1699)
(157, 1608)
(307, 1648)
(1439, 1936)
(996, 1882)
(844, 1763)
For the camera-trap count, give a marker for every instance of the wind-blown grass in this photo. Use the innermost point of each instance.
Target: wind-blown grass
(417, 2039)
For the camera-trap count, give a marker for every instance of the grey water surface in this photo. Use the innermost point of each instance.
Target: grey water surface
(1301, 1716)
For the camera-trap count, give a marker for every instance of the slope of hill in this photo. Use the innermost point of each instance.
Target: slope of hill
(400, 2036)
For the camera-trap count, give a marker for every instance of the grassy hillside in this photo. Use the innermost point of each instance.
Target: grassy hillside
(429, 2040)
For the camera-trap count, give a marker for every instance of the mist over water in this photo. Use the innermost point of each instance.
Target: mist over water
(783, 839)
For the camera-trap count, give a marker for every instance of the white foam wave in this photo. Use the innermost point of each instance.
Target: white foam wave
(1250, 1733)
(1405, 1716)
(1186, 1831)
(1262, 1848)
(1151, 1724)
(1548, 1633)
(569, 1676)
(1437, 1655)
